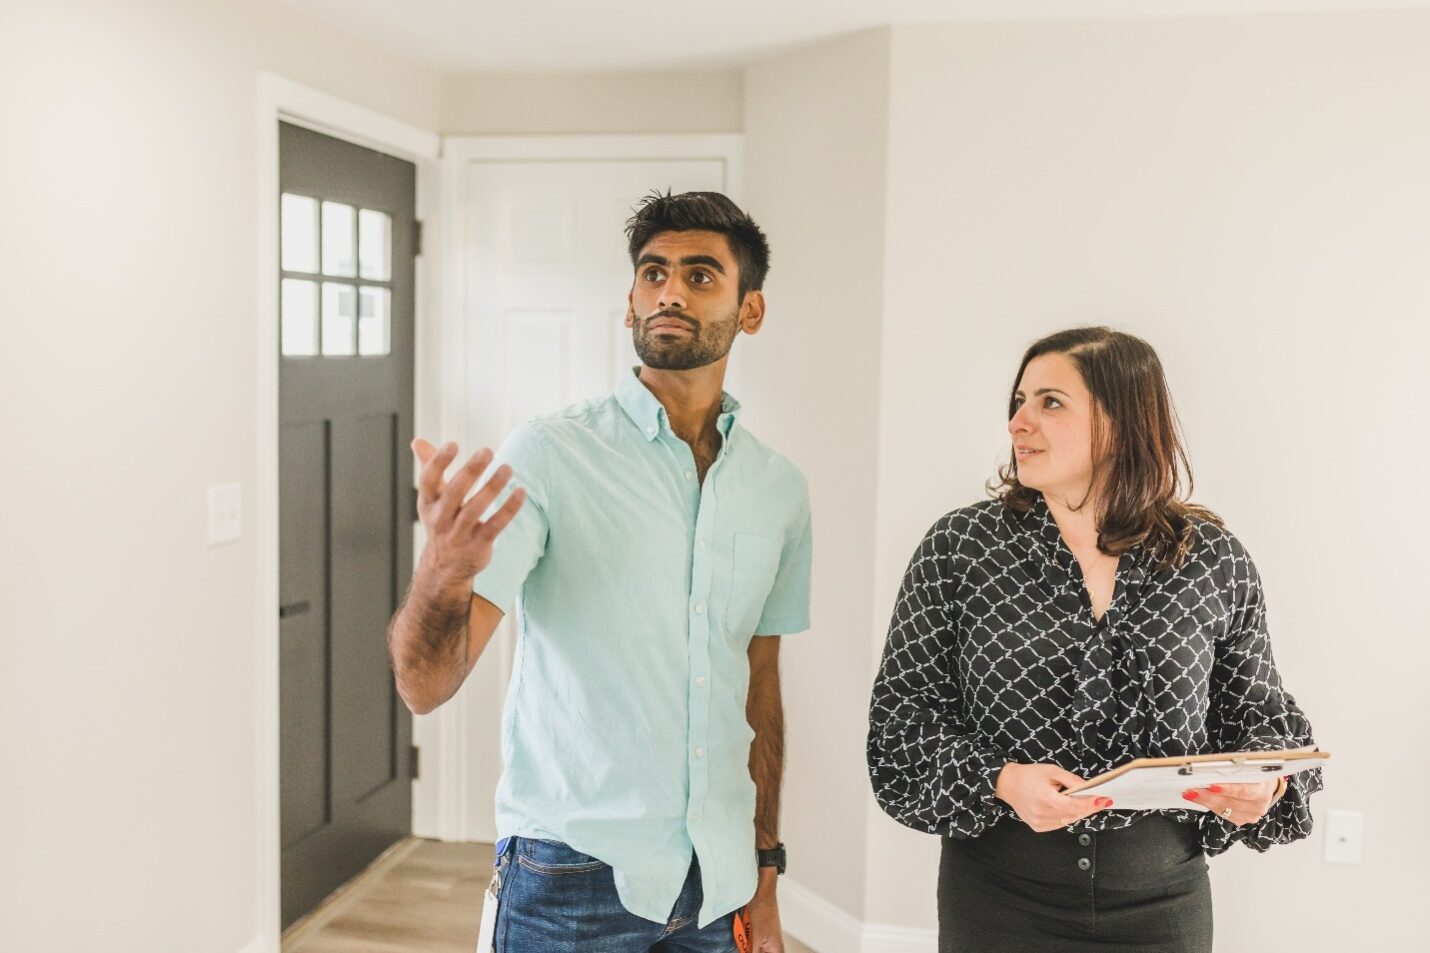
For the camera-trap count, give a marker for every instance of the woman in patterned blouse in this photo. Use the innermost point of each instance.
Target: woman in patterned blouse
(1088, 615)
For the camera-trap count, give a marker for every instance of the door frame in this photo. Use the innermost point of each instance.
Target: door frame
(450, 815)
(282, 99)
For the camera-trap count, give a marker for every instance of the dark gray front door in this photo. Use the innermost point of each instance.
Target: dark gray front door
(346, 398)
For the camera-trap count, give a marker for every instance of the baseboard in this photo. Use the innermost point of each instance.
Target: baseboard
(825, 928)
(258, 944)
(884, 939)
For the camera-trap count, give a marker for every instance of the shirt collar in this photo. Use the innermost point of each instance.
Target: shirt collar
(1050, 545)
(647, 413)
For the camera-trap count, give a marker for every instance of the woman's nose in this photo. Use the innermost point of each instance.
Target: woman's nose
(1020, 422)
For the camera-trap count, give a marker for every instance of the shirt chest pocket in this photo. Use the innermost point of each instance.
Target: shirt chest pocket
(756, 560)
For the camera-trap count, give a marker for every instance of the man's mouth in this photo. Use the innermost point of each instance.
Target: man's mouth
(667, 325)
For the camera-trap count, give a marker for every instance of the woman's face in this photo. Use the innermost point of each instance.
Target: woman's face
(1052, 429)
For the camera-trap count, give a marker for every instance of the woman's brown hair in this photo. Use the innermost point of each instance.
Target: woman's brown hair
(1140, 463)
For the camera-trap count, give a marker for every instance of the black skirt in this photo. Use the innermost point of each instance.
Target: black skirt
(1141, 889)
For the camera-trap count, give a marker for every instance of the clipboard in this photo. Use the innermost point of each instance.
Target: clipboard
(1156, 784)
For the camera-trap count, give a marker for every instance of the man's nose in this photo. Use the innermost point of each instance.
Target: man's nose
(672, 294)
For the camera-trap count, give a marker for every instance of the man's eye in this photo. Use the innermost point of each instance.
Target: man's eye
(653, 274)
(700, 278)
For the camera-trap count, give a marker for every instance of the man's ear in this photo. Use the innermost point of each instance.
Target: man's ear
(752, 312)
(631, 308)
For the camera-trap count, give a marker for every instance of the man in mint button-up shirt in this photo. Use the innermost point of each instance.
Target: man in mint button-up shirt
(652, 546)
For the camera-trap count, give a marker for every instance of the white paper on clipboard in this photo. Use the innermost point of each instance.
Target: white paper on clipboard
(1156, 784)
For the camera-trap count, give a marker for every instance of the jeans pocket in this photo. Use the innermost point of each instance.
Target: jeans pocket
(553, 859)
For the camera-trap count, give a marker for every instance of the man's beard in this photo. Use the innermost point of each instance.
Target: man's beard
(706, 344)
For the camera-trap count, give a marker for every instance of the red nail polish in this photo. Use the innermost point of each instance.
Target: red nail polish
(1214, 788)
(1190, 795)
(1105, 802)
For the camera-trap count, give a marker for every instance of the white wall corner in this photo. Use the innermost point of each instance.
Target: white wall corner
(821, 925)
(816, 922)
(258, 944)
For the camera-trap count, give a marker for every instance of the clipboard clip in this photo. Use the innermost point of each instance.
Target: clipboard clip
(1275, 767)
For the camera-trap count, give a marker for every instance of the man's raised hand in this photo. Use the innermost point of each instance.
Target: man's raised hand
(459, 541)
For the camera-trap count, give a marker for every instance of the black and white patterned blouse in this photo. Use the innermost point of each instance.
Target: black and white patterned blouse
(994, 656)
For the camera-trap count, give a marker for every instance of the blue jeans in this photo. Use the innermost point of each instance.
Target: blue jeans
(556, 900)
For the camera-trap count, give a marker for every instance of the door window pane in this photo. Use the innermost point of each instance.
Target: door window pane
(339, 319)
(374, 321)
(339, 240)
(375, 245)
(300, 318)
(300, 233)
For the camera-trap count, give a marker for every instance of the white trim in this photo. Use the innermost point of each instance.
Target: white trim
(323, 112)
(282, 99)
(885, 939)
(454, 772)
(824, 927)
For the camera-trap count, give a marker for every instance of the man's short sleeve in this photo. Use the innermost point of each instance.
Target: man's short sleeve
(787, 608)
(521, 545)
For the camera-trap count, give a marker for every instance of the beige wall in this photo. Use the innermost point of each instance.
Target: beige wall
(129, 380)
(1251, 196)
(811, 387)
(572, 103)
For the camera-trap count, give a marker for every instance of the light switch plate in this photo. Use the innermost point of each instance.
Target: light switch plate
(225, 513)
(1343, 837)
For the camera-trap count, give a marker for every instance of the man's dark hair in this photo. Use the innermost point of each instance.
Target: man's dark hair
(706, 212)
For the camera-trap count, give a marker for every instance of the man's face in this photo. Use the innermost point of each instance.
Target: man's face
(685, 306)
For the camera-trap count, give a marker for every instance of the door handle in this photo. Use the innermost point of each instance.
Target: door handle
(292, 609)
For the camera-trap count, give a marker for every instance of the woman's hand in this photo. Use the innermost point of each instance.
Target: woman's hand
(1237, 803)
(1034, 791)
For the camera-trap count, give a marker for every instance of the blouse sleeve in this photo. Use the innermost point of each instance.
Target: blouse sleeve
(1251, 711)
(928, 769)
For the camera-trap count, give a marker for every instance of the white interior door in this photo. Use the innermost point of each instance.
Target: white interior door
(546, 275)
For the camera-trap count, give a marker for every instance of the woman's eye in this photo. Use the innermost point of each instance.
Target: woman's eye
(1051, 403)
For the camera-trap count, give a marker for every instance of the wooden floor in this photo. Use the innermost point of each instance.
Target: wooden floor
(420, 897)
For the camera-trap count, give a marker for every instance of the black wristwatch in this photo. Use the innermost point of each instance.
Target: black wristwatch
(773, 858)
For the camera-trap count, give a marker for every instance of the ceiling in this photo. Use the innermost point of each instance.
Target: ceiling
(459, 36)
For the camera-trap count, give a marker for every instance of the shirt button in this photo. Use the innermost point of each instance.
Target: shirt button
(700, 680)
(1084, 839)
(695, 817)
(1083, 863)
(689, 475)
(699, 752)
(650, 430)
(699, 608)
(702, 542)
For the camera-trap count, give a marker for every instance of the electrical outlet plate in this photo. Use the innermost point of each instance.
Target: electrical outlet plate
(1343, 837)
(225, 513)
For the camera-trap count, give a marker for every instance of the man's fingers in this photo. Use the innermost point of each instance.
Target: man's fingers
(504, 515)
(457, 488)
(481, 501)
(429, 478)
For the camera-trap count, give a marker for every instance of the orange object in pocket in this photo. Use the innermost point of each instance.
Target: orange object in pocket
(742, 930)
